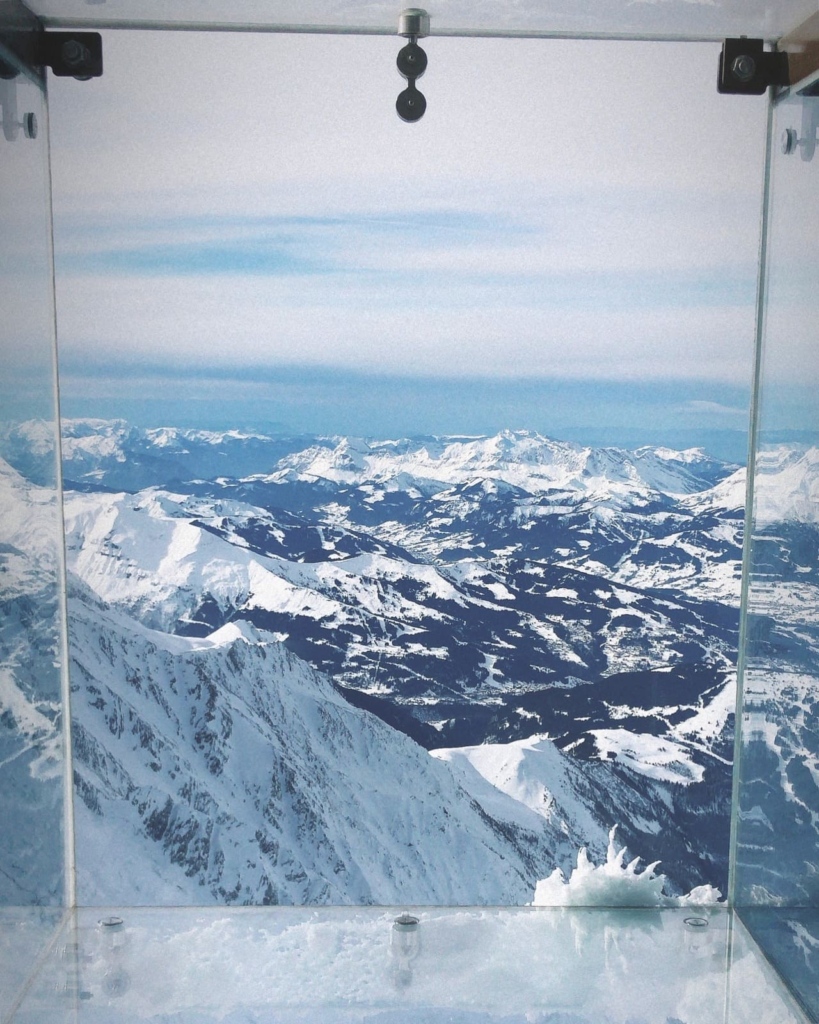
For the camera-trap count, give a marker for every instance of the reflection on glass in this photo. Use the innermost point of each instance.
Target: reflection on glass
(322, 966)
(778, 812)
(31, 761)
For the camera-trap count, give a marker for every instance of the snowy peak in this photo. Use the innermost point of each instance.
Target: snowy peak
(522, 459)
(787, 484)
(116, 455)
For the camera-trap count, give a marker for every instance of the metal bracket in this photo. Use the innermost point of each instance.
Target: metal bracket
(72, 54)
(747, 69)
(10, 120)
(805, 141)
(25, 48)
(413, 24)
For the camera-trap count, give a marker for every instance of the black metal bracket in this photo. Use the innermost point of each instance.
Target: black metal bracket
(26, 48)
(72, 54)
(746, 68)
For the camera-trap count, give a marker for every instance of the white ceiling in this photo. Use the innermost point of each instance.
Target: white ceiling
(682, 19)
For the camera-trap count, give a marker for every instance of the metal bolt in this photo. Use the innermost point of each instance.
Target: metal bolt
(74, 53)
(744, 67)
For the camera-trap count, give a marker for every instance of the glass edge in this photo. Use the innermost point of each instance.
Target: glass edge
(159, 25)
(747, 539)
(69, 866)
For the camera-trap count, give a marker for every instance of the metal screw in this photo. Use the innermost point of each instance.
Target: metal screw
(744, 67)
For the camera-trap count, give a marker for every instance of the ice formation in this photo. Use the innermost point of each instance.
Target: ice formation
(615, 884)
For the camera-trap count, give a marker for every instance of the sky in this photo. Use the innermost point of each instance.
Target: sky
(567, 241)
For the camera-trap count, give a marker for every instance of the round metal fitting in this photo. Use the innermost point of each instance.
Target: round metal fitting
(744, 67)
(411, 61)
(30, 125)
(406, 922)
(411, 104)
(790, 140)
(695, 922)
(413, 23)
(113, 923)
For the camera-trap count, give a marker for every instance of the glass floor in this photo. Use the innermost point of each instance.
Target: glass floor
(789, 938)
(288, 965)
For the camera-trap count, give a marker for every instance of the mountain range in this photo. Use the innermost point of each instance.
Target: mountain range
(556, 625)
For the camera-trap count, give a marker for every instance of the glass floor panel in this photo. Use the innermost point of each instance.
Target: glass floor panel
(25, 934)
(789, 938)
(289, 965)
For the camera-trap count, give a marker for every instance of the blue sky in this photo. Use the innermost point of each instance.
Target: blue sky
(547, 248)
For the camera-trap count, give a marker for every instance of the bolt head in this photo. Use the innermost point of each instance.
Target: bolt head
(744, 67)
(74, 53)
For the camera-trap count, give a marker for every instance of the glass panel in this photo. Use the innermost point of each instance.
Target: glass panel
(777, 827)
(767, 18)
(32, 868)
(403, 497)
(453, 967)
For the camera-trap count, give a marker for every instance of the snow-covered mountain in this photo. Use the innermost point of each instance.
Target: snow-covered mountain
(113, 454)
(569, 613)
(787, 485)
(31, 758)
(226, 769)
(475, 593)
(185, 564)
(521, 459)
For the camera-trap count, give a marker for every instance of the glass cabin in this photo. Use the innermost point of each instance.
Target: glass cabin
(410, 512)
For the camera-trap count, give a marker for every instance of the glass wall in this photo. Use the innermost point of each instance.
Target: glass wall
(777, 814)
(403, 467)
(32, 757)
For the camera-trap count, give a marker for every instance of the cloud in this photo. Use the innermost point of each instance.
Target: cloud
(714, 409)
(539, 220)
(256, 321)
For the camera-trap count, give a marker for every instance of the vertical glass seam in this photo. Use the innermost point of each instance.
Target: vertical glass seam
(730, 939)
(747, 539)
(62, 574)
